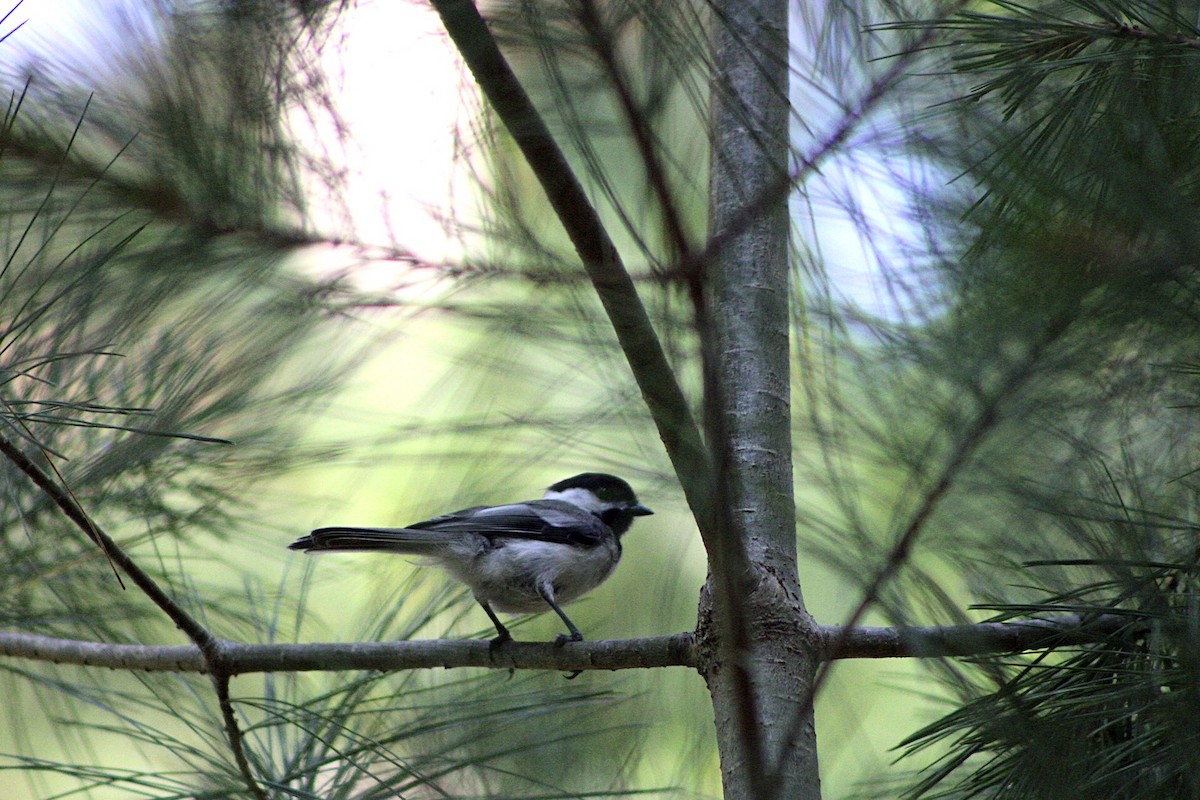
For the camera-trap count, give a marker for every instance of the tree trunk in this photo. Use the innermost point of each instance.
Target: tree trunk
(750, 384)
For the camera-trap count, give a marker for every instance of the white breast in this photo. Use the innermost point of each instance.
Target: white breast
(508, 576)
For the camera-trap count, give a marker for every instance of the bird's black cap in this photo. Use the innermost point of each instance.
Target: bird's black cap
(609, 488)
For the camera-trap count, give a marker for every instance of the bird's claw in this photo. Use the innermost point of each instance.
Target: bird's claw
(561, 640)
(498, 642)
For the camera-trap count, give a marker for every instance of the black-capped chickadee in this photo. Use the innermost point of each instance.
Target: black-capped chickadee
(516, 558)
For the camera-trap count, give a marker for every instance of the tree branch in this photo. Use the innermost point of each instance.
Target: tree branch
(243, 659)
(676, 650)
(979, 639)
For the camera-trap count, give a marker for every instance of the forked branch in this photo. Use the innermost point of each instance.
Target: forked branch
(207, 647)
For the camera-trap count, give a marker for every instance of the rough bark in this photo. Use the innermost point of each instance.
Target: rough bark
(779, 645)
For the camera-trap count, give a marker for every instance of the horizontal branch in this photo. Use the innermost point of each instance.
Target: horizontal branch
(240, 659)
(978, 639)
(676, 650)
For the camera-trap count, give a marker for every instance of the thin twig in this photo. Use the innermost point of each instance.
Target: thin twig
(978, 639)
(234, 733)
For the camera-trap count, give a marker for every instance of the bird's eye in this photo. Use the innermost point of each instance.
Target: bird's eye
(610, 515)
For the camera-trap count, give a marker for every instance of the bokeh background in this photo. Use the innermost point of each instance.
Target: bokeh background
(270, 266)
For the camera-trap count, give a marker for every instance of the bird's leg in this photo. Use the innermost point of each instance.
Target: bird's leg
(504, 636)
(547, 593)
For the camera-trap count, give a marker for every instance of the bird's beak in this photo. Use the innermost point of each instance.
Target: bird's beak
(640, 511)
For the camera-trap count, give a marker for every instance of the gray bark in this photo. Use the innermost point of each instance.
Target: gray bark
(769, 672)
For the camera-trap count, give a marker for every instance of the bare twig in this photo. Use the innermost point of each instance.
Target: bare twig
(979, 639)
(220, 680)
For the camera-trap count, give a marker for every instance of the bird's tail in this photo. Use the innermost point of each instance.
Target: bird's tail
(395, 540)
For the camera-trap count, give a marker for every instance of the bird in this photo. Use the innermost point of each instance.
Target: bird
(526, 557)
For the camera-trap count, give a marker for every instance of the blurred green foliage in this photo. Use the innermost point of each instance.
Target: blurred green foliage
(1023, 203)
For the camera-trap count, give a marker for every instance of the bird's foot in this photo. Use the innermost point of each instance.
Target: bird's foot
(498, 642)
(560, 641)
(563, 638)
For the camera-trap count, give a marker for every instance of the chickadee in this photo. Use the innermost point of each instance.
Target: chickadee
(516, 558)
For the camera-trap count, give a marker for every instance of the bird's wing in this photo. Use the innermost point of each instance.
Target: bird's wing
(541, 520)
